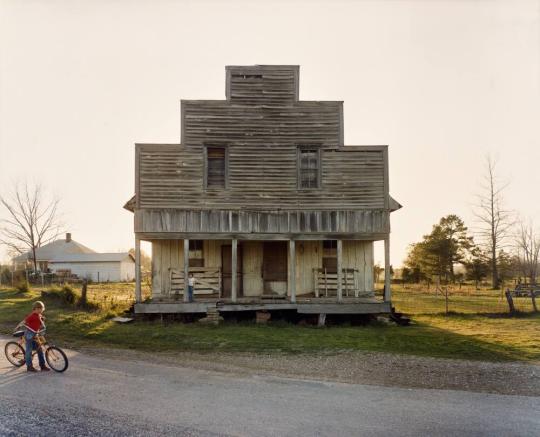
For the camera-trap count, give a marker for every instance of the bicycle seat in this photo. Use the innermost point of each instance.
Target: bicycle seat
(18, 333)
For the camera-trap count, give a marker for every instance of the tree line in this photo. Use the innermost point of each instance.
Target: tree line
(503, 246)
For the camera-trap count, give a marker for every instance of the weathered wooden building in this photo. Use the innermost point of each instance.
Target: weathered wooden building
(263, 203)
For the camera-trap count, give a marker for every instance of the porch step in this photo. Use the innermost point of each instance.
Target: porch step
(273, 296)
(212, 316)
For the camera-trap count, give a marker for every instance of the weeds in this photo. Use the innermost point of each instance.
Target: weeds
(23, 287)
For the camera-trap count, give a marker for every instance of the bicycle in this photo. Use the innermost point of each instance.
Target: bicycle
(55, 357)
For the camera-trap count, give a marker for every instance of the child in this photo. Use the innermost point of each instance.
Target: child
(191, 284)
(33, 323)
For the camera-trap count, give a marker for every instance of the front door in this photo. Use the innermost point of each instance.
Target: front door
(226, 271)
(275, 267)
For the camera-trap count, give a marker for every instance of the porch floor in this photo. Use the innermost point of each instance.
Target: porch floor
(303, 305)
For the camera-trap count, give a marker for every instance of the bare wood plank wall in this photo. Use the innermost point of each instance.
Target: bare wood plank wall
(257, 222)
(269, 84)
(260, 177)
(169, 254)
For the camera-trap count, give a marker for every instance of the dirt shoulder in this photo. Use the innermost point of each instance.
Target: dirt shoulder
(371, 368)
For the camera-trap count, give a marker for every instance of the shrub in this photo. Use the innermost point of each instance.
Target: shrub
(66, 294)
(23, 287)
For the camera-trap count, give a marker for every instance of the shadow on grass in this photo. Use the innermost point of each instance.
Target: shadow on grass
(420, 339)
(424, 338)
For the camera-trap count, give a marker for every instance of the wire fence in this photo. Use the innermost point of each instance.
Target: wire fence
(416, 299)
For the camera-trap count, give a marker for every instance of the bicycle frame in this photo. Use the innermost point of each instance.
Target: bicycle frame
(40, 340)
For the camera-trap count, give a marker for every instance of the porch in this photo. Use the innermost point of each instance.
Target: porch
(307, 276)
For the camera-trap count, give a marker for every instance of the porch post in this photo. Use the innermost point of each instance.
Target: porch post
(138, 290)
(339, 247)
(387, 275)
(186, 269)
(234, 262)
(292, 270)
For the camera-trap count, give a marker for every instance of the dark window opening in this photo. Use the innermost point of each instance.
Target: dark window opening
(196, 258)
(247, 76)
(215, 167)
(330, 256)
(308, 168)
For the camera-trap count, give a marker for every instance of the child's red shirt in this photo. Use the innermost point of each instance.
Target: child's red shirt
(33, 322)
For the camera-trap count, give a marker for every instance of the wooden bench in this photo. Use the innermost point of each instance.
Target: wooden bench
(207, 280)
(526, 290)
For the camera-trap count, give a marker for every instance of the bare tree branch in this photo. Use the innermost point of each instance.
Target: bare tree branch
(527, 241)
(494, 221)
(32, 220)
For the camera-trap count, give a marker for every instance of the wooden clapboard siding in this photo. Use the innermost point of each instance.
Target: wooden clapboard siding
(272, 85)
(168, 255)
(262, 177)
(261, 125)
(363, 224)
(304, 122)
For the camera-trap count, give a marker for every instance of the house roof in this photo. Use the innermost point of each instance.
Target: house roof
(91, 257)
(54, 249)
(130, 204)
(394, 204)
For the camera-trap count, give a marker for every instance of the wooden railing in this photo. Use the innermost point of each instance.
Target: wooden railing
(326, 283)
(207, 280)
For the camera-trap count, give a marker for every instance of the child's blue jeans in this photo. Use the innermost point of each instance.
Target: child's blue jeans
(31, 344)
(190, 293)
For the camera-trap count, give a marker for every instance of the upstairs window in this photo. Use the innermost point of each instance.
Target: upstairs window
(309, 167)
(216, 167)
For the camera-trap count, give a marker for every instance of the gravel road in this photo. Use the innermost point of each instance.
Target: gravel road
(103, 396)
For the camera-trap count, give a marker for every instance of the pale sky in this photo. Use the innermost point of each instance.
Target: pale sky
(443, 83)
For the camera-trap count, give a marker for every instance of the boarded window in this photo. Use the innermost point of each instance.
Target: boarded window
(308, 167)
(216, 167)
(196, 258)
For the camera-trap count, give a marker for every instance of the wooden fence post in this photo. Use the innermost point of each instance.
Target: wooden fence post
(533, 299)
(508, 295)
(83, 292)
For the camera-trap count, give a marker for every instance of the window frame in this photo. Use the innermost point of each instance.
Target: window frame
(303, 147)
(205, 165)
(196, 259)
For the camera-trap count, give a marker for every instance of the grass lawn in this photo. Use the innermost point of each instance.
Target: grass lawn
(466, 335)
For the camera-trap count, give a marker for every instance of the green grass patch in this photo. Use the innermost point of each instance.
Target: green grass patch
(469, 336)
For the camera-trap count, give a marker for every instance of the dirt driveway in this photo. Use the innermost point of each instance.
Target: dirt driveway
(371, 368)
(121, 393)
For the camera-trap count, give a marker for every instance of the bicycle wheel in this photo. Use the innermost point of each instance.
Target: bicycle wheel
(56, 359)
(14, 353)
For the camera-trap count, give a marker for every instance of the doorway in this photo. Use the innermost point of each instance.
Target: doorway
(275, 267)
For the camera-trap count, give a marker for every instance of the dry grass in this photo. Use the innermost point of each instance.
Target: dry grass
(471, 334)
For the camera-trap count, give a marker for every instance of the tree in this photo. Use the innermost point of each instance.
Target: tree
(495, 221)
(146, 260)
(528, 248)
(32, 220)
(477, 265)
(438, 252)
(377, 270)
(412, 275)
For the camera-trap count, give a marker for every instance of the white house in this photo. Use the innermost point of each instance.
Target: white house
(67, 255)
(99, 267)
